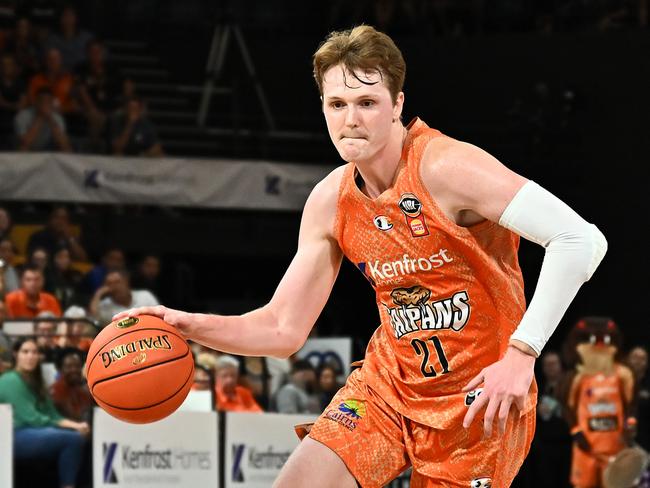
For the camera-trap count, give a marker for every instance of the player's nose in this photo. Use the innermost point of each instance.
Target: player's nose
(351, 116)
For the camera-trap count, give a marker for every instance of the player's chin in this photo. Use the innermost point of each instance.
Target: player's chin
(350, 154)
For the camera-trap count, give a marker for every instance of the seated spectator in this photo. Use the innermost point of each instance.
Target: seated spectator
(70, 392)
(24, 47)
(8, 275)
(58, 234)
(79, 333)
(147, 275)
(58, 80)
(297, 396)
(112, 260)
(41, 127)
(5, 342)
(132, 133)
(70, 40)
(30, 299)
(99, 88)
(5, 223)
(637, 360)
(64, 280)
(264, 376)
(38, 257)
(203, 378)
(327, 385)
(13, 94)
(230, 396)
(116, 296)
(46, 339)
(40, 432)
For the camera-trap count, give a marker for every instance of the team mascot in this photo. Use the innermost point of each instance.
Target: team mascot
(600, 391)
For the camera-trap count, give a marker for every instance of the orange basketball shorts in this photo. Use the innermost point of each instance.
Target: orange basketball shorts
(377, 444)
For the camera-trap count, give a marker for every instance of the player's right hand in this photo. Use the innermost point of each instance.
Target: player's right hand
(179, 319)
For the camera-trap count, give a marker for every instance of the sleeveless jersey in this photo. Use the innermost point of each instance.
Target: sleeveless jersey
(449, 297)
(600, 411)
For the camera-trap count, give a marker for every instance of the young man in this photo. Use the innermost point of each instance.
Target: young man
(432, 223)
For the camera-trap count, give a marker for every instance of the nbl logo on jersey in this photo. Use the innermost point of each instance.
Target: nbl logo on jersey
(411, 207)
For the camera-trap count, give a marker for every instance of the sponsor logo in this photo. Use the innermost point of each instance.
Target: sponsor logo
(411, 207)
(139, 359)
(108, 473)
(481, 483)
(348, 413)
(382, 223)
(237, 456)
(128, 322)
(472, 395)
(393, 272)
(415, 312)
(122, 350)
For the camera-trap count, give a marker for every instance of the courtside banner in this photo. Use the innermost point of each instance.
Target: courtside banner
(177, 451)
(6, 446)
(223, 183)
(257, 446)
(334, 351)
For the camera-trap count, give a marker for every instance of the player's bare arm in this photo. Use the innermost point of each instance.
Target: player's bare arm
(470, 186)
(280, 327)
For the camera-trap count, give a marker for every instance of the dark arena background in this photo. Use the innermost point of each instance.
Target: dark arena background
(559, 91)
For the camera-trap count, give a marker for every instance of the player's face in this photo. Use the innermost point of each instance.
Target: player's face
(359, 116)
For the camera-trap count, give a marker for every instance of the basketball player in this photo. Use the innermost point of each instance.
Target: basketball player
(434, 224)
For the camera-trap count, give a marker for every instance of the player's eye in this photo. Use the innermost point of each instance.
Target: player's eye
(337, 105)
(367, 103)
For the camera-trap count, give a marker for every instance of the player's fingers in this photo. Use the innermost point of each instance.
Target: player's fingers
(490, 411)
(520, 401)
(504, 410)
(477, 380)
(158, 311)
(476, 407)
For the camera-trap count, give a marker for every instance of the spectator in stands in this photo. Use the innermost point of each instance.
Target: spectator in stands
(79, 333)
(58, 233)
(46, 339)
(203, 378)
(264, 376)
(327, 385)
(147, 275)
(30, 299)
(232, 397)
(5, 342)
(298, 396)
(40, 258)
(13, 96)
(116, 296)
(58, 80)
(637, 360)
(132, 133)
(40, 127)
(5, 223)
(40, 432)
(113, 259)
(99, 87)
(8, 275)
(70, 392)
(23, 46)
(70, 40)
(64, 279)
(552, 443)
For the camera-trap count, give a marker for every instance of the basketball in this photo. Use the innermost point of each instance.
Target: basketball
(139, 369)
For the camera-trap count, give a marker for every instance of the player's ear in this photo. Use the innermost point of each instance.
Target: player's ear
(397, 106)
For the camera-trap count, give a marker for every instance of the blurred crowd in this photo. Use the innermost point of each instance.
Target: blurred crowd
(60, 91)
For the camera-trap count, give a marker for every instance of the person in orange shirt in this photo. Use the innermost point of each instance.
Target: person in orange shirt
(57, 80)
(433, 224)
(232, 397)
(30, 299)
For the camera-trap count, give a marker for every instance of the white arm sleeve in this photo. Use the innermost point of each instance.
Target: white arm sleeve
(574, 249)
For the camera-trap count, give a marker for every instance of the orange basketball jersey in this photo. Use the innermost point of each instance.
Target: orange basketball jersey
(449, 297)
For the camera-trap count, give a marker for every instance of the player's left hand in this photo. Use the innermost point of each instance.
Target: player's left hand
(505, 382)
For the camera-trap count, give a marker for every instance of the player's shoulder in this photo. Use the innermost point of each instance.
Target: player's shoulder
(448, 155)
(326, 191)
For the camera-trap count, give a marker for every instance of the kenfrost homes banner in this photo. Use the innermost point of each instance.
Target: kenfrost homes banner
(6, 446)
(179, 451)
(257, 446)
(165, 181)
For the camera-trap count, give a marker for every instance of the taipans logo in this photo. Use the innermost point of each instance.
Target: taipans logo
(411, 206)
(382, 223)
(481, 483)
(469, 399)
(348, 413)
(237, 457)
(108, 473)
(128, 322)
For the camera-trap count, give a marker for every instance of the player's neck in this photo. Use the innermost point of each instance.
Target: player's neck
(379, 173)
